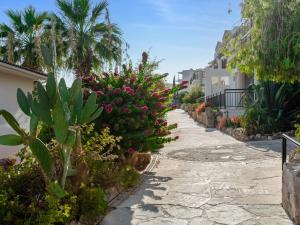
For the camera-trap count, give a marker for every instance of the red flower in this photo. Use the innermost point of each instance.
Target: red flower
(125, 110)
(98, 93)
(117, 91)
(155, 94)
(131, 150)
(184, 82)
(153, 113)
(128, 90)
(167, 91)
(108, 108)
(145, 108)
(159, 105)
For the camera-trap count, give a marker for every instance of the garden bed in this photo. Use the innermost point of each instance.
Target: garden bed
(212, 119)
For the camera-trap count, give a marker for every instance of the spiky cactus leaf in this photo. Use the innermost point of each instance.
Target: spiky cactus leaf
(89, 108)
(23, 102)
(95, 115)
(60, 123)
(55, 189)
(75, 90)
(42, 154)
(33, 124)
(11, 140)
(42, 95)
(51, 89)
(63, 90)
(76, 109)
(43, 113)
(13, 123)
(71, 138)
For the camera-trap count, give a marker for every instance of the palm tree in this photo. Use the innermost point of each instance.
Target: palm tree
(20, 41)
(90, 41)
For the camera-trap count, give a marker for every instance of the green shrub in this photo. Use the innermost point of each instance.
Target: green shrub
(92, 203)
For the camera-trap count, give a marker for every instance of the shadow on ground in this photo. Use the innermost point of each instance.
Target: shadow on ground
(135, 207)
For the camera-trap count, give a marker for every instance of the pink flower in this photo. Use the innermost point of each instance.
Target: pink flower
(117, 91)
(184, 82)
(162, 99)
(125, 110)
(145, 108)
(98, 93)
(167, 91)
(159, 105)
(128, 90)
(131, 150)
(108, 108)
(155, 94)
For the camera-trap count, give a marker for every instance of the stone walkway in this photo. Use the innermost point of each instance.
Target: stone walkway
(207, 178)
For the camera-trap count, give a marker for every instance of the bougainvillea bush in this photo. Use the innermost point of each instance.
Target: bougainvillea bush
(135, 103)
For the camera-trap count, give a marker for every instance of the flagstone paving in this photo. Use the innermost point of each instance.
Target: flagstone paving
(207, 178)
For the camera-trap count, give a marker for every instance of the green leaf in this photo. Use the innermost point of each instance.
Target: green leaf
(43, 113)
(55, 189)
(95, 115)
(89, 108)
(51, 89)
(23, 102)
(13, 123)
(76, 109)
(42, 154)
(33, 124)
(63, 90)
(60, 123)
(75, 90)
(11, 140)
(42, 95)
(71, 138)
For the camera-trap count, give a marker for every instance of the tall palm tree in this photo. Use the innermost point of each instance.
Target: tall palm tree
(90, 40)
(20, 40)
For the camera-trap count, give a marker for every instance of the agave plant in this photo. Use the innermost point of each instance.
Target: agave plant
(62, 109)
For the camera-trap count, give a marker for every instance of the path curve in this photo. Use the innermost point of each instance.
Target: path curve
(207, 178)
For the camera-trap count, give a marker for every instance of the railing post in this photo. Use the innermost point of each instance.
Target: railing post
(225, 99)
(283, 151)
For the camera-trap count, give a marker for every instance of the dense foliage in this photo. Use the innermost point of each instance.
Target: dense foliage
(135, 104)
(195, 94)
(72, 158)
(267, 42)
(274, 108)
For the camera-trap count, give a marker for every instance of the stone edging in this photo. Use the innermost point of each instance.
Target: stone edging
(121, 196)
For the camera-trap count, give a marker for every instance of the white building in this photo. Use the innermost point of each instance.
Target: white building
(11, 78)
(185, 75)
(222, 87)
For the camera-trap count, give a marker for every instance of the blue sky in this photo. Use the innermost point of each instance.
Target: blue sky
(182, 33)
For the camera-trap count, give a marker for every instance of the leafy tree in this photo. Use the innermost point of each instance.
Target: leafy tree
(267, 42)
(21, 39)
(279, 47)
(90, 42)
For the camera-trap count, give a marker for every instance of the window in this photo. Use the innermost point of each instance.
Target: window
(224, 63)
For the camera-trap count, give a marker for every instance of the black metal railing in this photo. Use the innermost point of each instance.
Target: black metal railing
(286, 138)
(231, 98)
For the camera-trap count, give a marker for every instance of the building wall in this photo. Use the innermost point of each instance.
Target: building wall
(8, 101)
(186, 75)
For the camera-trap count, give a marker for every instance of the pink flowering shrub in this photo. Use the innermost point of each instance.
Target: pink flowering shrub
(135, 104)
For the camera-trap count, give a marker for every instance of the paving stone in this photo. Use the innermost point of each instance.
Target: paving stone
(207, 178)
(201, 221)
(228, 214)
(183, 212)
(165, 221)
